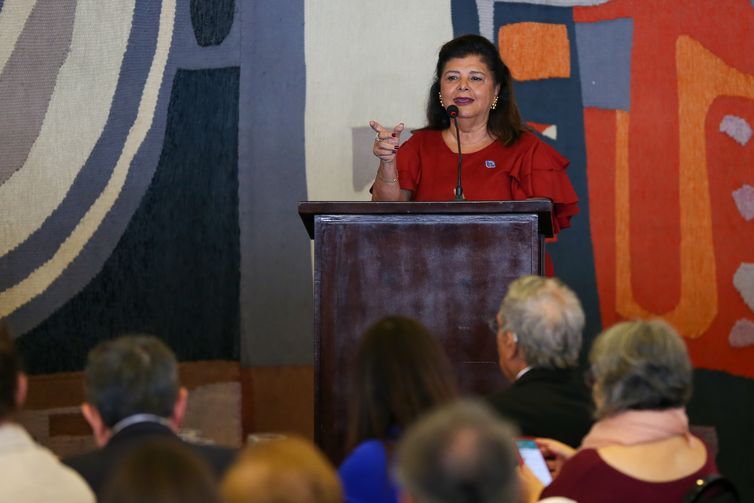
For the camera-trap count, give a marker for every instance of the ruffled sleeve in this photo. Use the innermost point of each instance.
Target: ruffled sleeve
(540, 171)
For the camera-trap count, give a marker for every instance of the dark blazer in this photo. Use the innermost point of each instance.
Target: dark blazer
(96, 466)
(548, 403)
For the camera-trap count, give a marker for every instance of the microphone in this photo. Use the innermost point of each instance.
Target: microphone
(453, 113)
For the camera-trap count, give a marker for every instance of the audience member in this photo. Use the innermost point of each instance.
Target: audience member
(161, 471)
(132, 394)
(640, 449)
(291, 470)
(539, 327)
(400, 372)
(459, 453)
(31, 473)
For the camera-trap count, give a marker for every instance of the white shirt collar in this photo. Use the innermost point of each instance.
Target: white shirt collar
(522, 372)
(140, 418)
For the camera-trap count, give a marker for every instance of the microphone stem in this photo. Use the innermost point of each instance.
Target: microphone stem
(459, 188)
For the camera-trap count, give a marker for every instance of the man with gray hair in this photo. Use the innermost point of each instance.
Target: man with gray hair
(538, 329)
(133, 395)
(457, 454)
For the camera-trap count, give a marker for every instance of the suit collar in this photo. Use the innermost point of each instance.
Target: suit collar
(542, 374)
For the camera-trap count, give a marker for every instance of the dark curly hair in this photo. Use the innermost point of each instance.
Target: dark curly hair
(504, 122)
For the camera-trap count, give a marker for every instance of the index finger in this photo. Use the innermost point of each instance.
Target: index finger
(377, 127)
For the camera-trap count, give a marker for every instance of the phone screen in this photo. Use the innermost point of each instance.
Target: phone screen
(532, 457)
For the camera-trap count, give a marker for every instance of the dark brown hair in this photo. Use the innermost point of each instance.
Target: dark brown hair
(504, 122)
(400, 371)
(161, 471)
(10, 366)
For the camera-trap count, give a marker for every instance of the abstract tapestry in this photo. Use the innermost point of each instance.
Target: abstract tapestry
(119, 176)
(653, 103)
(153, 151)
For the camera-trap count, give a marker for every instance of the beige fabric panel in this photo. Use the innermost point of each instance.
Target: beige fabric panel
(13, 18)
(77, 114)
(364, 60)
(29, 78)
(14, 297)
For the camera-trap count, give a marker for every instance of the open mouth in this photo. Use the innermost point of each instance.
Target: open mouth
(463, 101)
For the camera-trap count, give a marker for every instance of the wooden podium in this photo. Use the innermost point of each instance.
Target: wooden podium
(446, 264)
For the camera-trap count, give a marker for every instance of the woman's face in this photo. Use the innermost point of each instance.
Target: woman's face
(469, 84)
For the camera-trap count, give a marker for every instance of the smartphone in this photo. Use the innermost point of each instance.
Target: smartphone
(531, 456)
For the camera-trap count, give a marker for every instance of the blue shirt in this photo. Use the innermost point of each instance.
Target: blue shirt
(366, 476)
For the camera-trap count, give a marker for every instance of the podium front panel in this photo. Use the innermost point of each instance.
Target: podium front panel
(448, 271)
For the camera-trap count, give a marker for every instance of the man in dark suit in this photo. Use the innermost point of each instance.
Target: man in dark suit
(133, 396)
(539, 327)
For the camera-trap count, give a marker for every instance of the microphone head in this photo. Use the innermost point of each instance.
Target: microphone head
(452, 110)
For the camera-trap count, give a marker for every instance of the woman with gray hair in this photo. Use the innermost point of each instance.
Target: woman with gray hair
(640, 449)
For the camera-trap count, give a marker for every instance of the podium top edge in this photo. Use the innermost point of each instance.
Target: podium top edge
(541, 206)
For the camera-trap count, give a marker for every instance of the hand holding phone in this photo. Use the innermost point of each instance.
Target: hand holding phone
(555, 453)
(530, 455)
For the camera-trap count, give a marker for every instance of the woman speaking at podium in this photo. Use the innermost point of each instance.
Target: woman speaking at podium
(501, 159)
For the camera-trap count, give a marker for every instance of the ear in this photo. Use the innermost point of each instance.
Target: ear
(507, 344)
(497, 90)
(597, 396)
(500, 340)
(179, 409)
(99, 429)
(22, 387)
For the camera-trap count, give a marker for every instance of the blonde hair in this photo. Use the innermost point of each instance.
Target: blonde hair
(291, 470)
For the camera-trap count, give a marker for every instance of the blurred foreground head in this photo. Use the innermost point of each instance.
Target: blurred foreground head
(161, 471)
(291, 470)
(461, 453)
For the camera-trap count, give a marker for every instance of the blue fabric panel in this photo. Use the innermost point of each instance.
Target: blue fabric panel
(604, 51)
(276, 280)
(175, 271)
(212, 20)
(91, 180)
(465, 17)
(187, 54)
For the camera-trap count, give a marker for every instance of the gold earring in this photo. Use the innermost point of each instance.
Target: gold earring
(494, 104)
(440, 95)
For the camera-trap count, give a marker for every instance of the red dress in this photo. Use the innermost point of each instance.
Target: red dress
(528, 168)
(586, 478)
